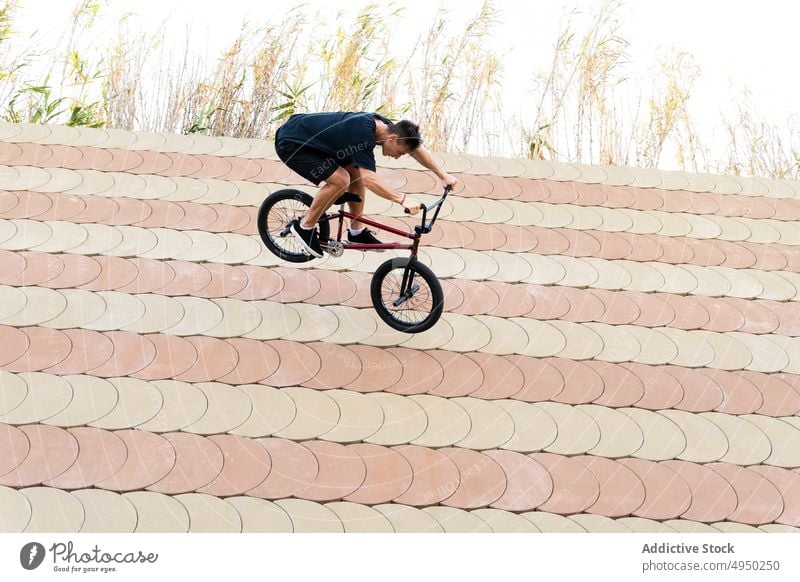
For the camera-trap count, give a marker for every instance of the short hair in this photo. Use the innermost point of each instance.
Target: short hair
(407, 133)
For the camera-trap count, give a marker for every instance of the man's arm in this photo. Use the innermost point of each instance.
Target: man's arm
(426, 160)
(374, 184)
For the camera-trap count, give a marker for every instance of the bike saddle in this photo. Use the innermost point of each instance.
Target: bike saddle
(347, 197)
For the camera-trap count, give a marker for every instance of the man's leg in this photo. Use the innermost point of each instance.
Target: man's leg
(333, 187)
(356, 187)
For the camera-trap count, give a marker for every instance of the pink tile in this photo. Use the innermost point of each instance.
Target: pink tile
(256, 360)
(63, 207)
(700, 393)
(759, 500)
(518, 239)
(737, 255)
(621, 490)
(667, 495)
(436, 477)
(101, 455)
(614, 246)
(421, 372)
(723, 316)
(47, 348)
(706, 252)
(78, 270)
(128, 211)
(644, 248)
(150, 459)
(532, 190)
(174, 356)
(229, 219)
(550, 241)
(198, 461)
(189, 278)
(132, 352)
(39, 268)
(182, 165)
(245, 466)
(122, 161)
(12, 266)
(216, 359)
(90, 350)
(654, 310)
(299, 285)
(515, 301)
(478, 298)
(152, 276)
(482, 479)
(486, 237)
(704, 203)
(689, 313)
(713, 498)
(341, 472)
(196, 216)
(164, 214)
(582, 384)
(380, 369)
(759, 316)
(591, 195)
(561, 192)
(584, 306)
(528, 484)
(661, 389)
(211, 166)
(621, 386)
(98, 210)
(620, 309)
(543, 381)
(581, 243)
(740, 395)
(781, 392)
(788, 484)
(298, 364)
(152, 163)
(294, 468)
(548, 302)
(501, 377)
(52, 451)
(575, 488)
(63, 157)
(475, 186)
(226, 280)
(263, 283)
(462, 375)
(388, 475)
(339, 366)
(241, 169)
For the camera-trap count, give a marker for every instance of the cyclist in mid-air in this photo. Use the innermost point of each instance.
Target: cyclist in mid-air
(336, 148)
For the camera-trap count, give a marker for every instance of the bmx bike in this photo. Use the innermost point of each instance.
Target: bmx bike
(405, 293)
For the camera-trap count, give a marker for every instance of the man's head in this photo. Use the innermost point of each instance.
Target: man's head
(403, 139)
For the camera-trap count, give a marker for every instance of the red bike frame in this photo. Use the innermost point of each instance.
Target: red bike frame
(342, 214)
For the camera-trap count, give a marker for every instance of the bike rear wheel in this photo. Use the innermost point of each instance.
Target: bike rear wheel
(275, 217)
(407, 295)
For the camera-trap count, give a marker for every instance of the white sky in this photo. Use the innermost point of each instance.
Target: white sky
(736, 42)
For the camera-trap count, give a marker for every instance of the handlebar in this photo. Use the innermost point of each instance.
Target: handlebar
(426, 228)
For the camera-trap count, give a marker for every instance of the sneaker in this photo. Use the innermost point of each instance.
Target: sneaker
(365, 237)
(308, 239)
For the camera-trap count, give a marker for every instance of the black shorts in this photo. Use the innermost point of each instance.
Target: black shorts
(312, 164)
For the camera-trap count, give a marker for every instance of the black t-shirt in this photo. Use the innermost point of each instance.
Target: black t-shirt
(347, 137)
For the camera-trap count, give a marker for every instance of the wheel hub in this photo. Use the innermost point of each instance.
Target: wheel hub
(334, 248)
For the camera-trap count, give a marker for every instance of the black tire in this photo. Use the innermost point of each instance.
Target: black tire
(418, 312)
(276, 212)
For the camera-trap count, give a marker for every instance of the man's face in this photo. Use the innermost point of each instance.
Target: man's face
(392, 148)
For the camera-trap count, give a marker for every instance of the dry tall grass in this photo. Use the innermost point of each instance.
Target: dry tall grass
(584, 108)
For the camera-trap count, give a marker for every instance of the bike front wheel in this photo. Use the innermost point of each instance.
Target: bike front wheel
(275, 217)
(407, 295)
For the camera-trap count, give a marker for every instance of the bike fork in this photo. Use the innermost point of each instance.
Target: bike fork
(407, 287)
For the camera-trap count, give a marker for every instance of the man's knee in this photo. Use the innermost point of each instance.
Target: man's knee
(340, 179)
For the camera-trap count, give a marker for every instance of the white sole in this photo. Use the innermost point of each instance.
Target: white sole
(309, 251)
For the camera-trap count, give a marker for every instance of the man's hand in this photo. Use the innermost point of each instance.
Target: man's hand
(411, 204)
(448, 180)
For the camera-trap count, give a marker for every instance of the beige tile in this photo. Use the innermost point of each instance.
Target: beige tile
(645, 526)
(249, 193)
(228, 407)
(28, 178)
(93, 183)
(585, 218)
(61, 180)
(732, 229)
(491, 426)
(778, 528)
(454, 520)
(510, 267)
(534, 428)
(448, 422)
(240, 249)
(747, 444)
(505, 521)
(357, 518)
(783, 434)
(762, 231)
(710, 283)
(47, 395)
(128, 186)
(552, 523)
(157, 513)
(505, 335)
(544, 270)
(598, 523)
(208, 514)
(10, 131)
(219, 192)
(642, 222)
(135, 242)
(663, 438)
(469, 334)
(404, 419)
(729, 354)
(177, 189)
(620, 435)
(92, 399)
(767, 355)
(65, 236)
(553, 215)
(432, 339)
(28, 234)
(310, 517)
(581, 342)
(260, 515)
(183, 404)
(360, 418)
(106, 512)
(672, 224)
(13, 391)
(139, 401)
(316, 323)
(406, 519)
(688, 526)
(175, 143)
(101, 239)
(530, 213)
(776, 286)
(544, 338)
(444, 262)
(17, 509)
(577, 431)
(170, 244)
(272, 411)
(8, 230)
(743, 284)
(705, 441)
(693, 350)
(735, 528)
(12, 302)
(239, 318)
(677, 280)
(122, 310)
(317, 413)
(354, 325)
(160, 313)
(278, 320)
(463, 209)
(200, 315)
(42, 305)
(478, 266)
(618, 344)
(494, 211)
(53, 511)
(579, 273)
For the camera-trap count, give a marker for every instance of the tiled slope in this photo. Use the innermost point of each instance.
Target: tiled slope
(619, 349)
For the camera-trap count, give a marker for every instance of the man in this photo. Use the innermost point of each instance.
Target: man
(336, 149)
